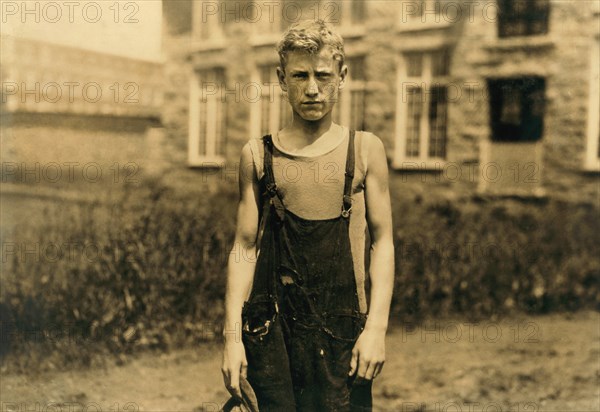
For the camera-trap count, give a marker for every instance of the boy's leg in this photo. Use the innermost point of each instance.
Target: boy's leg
(268, 368)
(319, 366)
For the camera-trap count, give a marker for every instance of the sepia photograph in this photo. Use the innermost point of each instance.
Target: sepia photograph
(300, 205)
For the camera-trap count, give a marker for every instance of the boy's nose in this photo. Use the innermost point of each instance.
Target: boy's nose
(312, 89)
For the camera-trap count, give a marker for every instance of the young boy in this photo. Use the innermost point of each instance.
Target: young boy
(306, 341)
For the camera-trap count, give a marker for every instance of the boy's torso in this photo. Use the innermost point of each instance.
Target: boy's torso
(312, 188)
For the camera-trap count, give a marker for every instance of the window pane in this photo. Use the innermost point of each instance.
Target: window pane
(265, 77)
(440, 61)
(203, 123)
(511, 106)
(218, 127)
(517, 108)
(356, 68)
(337, 109)
(357, 110)
(438, 109)
(413, 123)
(414, 64)
(523, 17)
(285, 111)
(267, 86)
(358, 14)
(264, 113)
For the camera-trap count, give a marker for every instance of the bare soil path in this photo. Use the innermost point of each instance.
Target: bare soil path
(548, 363)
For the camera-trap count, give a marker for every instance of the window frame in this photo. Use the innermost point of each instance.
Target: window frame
(349, 21)
(213, 138)
(416, 22)
(343, 109)
(278, 100)
(206, 35)
(425, 81)
(592, 153)
(499, 130)
(527, 18)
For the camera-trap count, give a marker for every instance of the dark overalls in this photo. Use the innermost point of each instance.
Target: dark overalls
(302, 318)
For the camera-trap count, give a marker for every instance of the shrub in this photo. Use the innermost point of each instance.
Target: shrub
(156, 277)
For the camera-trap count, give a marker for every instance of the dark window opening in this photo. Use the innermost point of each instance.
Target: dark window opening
(358, 12)
(438, 119)
(177, 15)
(523, 17)
(517, 109)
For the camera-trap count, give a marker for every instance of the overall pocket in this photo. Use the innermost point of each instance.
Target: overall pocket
(268, 362)
(342, 330)
(259, 316)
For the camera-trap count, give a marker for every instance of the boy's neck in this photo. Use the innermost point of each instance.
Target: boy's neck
(304, 133)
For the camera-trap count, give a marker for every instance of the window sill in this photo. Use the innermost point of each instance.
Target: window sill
(592, 167)
(208, 45)
(524, 194)
(415, 165)
(267, 39)
(521, 42)
(539, 195)
(351, 31)
(418, 25)
(207, 162)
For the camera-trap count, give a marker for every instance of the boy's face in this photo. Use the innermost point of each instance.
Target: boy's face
(312, 82)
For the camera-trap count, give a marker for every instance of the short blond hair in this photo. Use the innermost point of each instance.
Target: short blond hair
(310, 36)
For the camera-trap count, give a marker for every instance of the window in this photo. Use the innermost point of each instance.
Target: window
(351, 12)
(422, 14)
(269, 20)
(207, 21)
(177, 16)
(272, 111)
(523, 17)
(422, 109)
(592, 156)
(517, 109)
(207, 117)
(350, 108)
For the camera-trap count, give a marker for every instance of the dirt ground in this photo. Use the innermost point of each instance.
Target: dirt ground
(549, 363)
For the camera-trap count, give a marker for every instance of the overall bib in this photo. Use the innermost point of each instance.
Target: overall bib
(302, 318)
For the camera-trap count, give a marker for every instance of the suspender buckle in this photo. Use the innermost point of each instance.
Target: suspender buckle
(347, 201)
(346, 213)
(272, 189)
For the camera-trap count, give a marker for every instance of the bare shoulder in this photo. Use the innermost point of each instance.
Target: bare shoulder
(247, 170)
(375, 151)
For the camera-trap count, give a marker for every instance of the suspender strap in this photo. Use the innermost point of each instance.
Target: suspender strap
(349, 175)
(270, 178)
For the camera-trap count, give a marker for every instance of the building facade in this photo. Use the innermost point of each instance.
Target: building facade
(62, 105)
(496, 97)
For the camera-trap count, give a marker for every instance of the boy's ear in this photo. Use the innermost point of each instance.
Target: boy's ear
(281, 78)
(343, 76)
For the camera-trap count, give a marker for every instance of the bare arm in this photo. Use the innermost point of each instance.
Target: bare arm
(379, 218)
(240, 274)
(369, 351)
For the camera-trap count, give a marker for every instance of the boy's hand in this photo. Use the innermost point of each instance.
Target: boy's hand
(234, 365)
(368, 354)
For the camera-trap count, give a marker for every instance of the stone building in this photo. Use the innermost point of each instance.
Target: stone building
(497, 97)
(62, 105)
